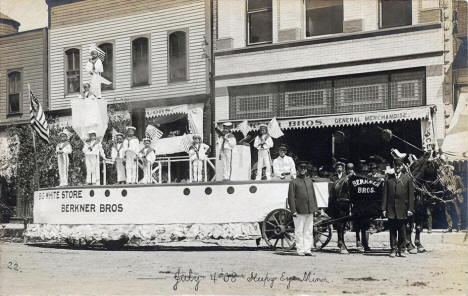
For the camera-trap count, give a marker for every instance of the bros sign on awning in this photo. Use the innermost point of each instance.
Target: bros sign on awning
(348, 119)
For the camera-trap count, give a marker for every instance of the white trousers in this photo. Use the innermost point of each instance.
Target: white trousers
(131, 168)
(264, 160)
(304, 232)
(92, 169)
(226, 157)
(197, 170)
(120, 167)
(147, 171)
(63, 162)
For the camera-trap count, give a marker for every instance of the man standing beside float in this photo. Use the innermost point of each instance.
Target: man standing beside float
(131, 146)
(263, 142)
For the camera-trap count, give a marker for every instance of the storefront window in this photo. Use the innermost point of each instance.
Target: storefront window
(259, 21)
(395, 13)
(256, 101)
(324, 17)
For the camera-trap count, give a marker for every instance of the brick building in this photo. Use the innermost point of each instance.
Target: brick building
(335, 71)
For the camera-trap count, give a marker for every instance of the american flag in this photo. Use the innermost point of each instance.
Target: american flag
(38, 119)
(186, 142)
(101, 54)
(244, 128)
(274, 129)
(153, 132)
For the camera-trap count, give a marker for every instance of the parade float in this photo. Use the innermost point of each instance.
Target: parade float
(162, 210)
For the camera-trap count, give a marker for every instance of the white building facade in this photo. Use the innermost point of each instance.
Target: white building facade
(323, 67)
(155, 56)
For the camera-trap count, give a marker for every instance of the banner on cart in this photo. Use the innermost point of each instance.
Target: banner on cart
(165, 204)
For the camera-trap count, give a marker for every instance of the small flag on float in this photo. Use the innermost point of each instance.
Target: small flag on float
(244, 128)
(274, 129)
(153, 132)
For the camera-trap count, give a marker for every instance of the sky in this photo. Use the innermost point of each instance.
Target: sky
(31, 14)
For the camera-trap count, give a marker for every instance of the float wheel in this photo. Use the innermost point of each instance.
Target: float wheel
(278, 229)
(322, 234)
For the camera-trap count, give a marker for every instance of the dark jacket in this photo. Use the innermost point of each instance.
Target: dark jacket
(338, 198)
(301, 196)
(398, 196)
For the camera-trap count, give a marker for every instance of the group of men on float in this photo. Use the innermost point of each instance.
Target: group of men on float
(283, 166)
(126, 152)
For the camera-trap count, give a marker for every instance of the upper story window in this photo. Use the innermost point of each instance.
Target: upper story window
(395, 13)
(15, 87)
(259, 21)
(140, 61)
(178, 56)
(324, 17)
(72, 70)
(108, 64)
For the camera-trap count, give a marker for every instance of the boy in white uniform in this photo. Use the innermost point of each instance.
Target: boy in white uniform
(147, 156)
(63, 150)
(118, 157)
(225, 143)
(131, 147)
(93, 150)
(263, 143)
(197, 154)
(284, 165)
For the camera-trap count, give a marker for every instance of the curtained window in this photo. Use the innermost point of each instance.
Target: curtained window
(108, 64)
(324, 17)
(140, 61)
(178, 56)
(72, 70)
(259, 21)
(14, 92)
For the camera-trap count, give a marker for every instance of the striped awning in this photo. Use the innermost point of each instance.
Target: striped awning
(335, 120)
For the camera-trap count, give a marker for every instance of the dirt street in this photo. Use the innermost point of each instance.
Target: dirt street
(233, 267)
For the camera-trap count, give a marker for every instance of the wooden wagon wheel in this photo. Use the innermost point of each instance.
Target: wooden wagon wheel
(322, 234)
(278, 229)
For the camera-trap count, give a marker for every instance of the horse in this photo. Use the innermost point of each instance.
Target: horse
(425, 173)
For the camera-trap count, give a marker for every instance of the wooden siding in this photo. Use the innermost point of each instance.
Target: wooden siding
(82, 23)
(26, 51)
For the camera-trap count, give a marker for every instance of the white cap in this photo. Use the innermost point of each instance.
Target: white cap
(130, 127)
(65, 132)
(196, 136)
(146, 140)
(227, 124)
(263, 125)
(397, 154)
(91, 132)
(119, 134)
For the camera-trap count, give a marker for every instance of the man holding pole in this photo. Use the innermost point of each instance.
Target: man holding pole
(226, 142)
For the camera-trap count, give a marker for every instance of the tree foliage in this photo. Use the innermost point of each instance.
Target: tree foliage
(23, 182)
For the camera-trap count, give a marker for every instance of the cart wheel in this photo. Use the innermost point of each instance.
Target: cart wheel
(322, 235)
(278, 229)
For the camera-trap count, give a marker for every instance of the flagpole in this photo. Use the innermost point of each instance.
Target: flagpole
(36, 174)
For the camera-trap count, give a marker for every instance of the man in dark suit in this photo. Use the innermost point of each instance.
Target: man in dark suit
(398, 205)
(338, 203)
(303, 204)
